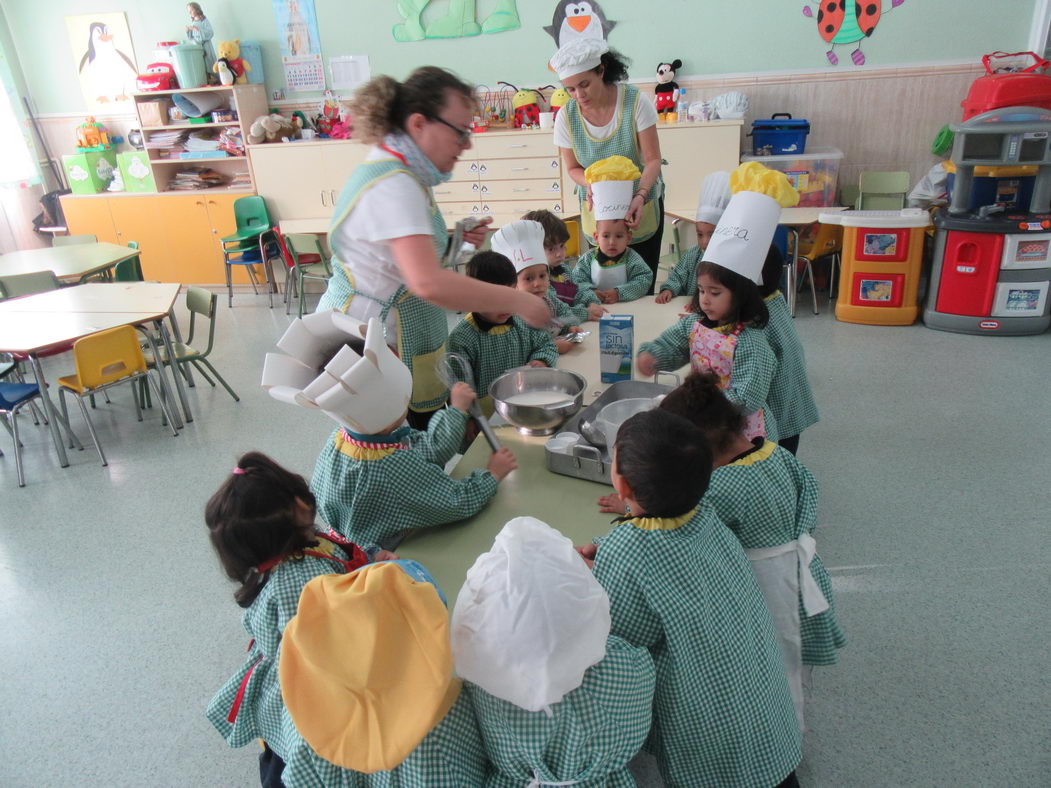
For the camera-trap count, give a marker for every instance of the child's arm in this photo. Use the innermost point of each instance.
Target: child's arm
(463, 341)
(678, 281)
(582, 279)
(754, 368)
(639, 278)
(435, 497)
(444, 435)
(669, 351)
(541, 347)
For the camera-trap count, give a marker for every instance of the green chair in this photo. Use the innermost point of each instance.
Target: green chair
(308, 262)
(199, 302)
(73, 240)
(130, 269)
(249, 246)
(17, 285)
(882, 191)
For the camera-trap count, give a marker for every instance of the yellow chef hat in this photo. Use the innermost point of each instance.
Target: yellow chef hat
(754, 177)
(366, 666)
(612, 185)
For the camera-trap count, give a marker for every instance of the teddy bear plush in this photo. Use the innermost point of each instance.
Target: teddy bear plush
(271, 128)
(231, 52)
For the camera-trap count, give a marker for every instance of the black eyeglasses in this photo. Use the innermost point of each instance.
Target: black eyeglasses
(463, 134)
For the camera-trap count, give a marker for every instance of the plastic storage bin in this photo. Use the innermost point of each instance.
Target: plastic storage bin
(189, 65)
(814, 174)
(779, 135)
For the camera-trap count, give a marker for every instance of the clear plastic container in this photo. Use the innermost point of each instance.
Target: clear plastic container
(814, 174)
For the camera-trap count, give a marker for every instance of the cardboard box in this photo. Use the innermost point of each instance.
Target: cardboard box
(90, 172)
(616, 337)
(136, 172)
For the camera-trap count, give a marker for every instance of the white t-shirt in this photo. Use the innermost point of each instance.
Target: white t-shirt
(645, 116)
(395, 207)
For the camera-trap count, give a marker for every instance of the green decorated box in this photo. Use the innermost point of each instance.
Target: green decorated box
(90, 172)
(136, 172)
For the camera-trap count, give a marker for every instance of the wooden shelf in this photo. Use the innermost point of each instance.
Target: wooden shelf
(209, 88)
(198, 161)
(192, 126)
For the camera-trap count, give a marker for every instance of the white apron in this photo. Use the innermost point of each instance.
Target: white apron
(784, 576)
(607, 277)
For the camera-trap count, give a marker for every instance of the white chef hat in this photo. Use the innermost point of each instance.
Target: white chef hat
(743, 234)
(365, 393)
(578, 56)
(531, 618)
(715, 195)
(612, 182)
(521, 242)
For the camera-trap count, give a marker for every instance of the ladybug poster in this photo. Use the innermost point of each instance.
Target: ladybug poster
(844, 23)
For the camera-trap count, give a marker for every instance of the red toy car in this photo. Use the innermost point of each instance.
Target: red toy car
(158, 76)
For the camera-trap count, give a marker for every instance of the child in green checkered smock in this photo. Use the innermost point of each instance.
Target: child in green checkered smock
(680, 584)
(769, 500)
(261, 525)
(367, 676)
(683, 277)
(559, 700)
(791, 399)
(494, 343)
(370, 488)
(715, 195)
(613, 272)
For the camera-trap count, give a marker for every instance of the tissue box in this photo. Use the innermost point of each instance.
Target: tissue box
(90, 172)
(616, 338)
(136, 172)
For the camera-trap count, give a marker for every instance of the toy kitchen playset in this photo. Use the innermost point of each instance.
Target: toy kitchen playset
(992, 257)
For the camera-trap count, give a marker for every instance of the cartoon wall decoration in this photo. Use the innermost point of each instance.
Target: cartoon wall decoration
(459, 21)
(578, 19)
(847, 22)
(104, 59)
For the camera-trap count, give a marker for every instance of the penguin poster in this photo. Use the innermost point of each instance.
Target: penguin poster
(103, 59)
(578, 19)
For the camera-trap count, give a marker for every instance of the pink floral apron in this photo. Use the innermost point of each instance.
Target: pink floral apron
(712, 350)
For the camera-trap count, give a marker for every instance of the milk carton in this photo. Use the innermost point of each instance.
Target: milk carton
(616, 338)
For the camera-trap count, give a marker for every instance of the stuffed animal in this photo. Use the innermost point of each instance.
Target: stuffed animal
(526, 104)
(666, 87)
(230, 51)
(559, 99)
(271, 128)
(226, 74)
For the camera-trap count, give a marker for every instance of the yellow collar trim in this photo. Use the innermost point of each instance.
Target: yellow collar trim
(495, 331)
(662, 523)
(356, 452)
(772, 296)
(760, 454)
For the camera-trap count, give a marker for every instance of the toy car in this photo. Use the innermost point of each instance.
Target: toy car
(158, 76)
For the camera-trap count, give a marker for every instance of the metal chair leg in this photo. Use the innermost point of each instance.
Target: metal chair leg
(204, 374)
(135, 399)
(229, 283)
(74, 441)
(91, 429)
(65, 413)
(220, 378)
(18, 450)
(164, 405)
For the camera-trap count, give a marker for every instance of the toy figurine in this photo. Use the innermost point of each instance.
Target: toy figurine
(667, 88)
(226, 74)
(231, 52)
(558, 100)
(92, 136)
(526, 105)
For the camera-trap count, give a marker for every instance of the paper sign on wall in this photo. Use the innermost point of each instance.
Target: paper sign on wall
(304, 73)
(349, 71)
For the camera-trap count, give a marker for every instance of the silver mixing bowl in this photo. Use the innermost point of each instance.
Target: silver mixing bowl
(538, 419)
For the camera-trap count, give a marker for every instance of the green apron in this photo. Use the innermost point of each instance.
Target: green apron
(623, 141)
(422, 328)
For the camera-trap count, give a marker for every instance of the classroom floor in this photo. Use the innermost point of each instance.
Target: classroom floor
(934, 468)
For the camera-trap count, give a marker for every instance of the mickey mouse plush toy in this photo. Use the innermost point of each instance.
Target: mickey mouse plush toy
(667, 87)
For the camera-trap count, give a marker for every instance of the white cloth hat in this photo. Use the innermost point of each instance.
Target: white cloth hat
(521, 242)
(715, 196)
(743, 234)
(530, 619)
(365, 393)
(578, 56)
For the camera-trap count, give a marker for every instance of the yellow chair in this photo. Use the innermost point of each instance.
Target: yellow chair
(107, 359)
(826, 241)
(573, 244)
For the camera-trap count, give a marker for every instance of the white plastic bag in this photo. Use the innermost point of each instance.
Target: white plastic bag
(931, 188)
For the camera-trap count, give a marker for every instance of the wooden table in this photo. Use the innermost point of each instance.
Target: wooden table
(34, 324)
(563, 502)
(68, 262)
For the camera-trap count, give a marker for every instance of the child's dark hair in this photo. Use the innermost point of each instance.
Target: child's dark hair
(666, 460)
(555, 230)
(492, 267)
(614, 67)
(772, 268)
(701, 401)
(747, 305)
(253, 518)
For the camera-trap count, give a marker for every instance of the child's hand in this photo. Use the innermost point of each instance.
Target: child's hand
(646, 364)
(573, 329)
(612, 503)
(461, 396)
(384, 555)
(536, 363)
(596, 311)
(607, 296)
(563, 345)
(502, 463)
(588, 553)
(664, 296)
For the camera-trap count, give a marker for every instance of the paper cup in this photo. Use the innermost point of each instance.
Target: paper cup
(547, 120)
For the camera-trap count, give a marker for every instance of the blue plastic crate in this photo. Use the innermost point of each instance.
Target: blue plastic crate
(778, 135)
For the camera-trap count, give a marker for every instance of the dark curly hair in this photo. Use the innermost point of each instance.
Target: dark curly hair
(701, 401)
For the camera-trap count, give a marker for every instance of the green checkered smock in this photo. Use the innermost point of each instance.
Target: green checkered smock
(639, 278)
(723, 715)
(563, 312)
(683, 277)
(491, 353)
(261, 712)
(790, 399)
(450, 756)
(769, 498)
(370, 495)
(755, 366)
(591, 734)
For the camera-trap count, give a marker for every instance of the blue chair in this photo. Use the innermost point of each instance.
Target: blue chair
(12, 397)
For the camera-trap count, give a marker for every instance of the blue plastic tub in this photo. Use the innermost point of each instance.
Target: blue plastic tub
(778, 135)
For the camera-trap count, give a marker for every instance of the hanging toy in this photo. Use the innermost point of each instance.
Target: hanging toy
(667, 88)
(526, 106)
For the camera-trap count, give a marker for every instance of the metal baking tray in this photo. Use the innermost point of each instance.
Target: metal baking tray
(588, 460)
